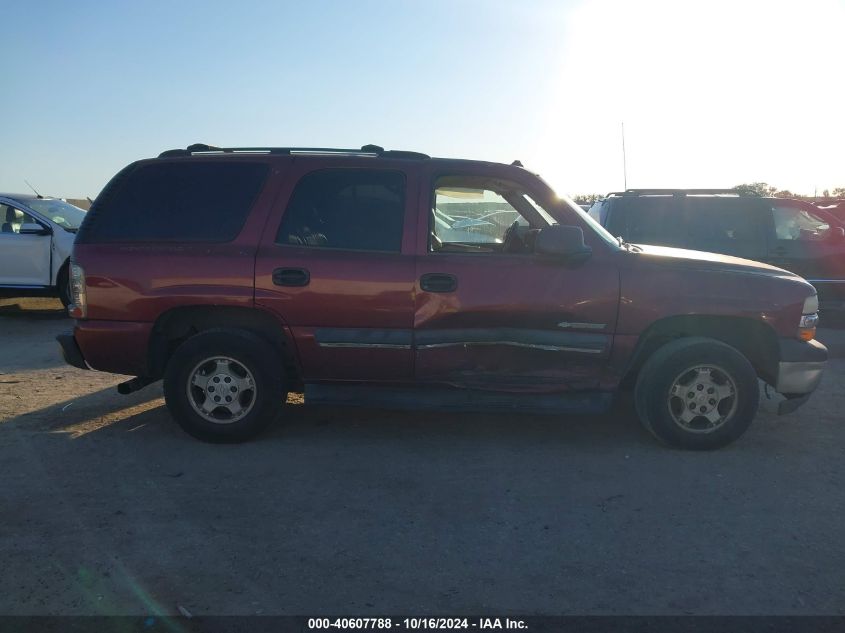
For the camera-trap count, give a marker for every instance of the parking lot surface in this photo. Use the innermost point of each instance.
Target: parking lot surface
(107, 507)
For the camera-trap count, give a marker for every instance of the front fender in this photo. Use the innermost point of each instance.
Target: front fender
(62, 247)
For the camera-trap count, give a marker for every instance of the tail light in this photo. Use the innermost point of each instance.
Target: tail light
(78, 307)
(809, 318)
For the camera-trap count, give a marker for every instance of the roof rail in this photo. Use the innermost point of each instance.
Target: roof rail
(675, 192)
(366, 150)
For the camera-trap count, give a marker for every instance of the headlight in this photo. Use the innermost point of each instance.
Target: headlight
(809, 318)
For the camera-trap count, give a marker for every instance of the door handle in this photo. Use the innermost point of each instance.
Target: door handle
(438, 282)
(296, 277)
(780, 250)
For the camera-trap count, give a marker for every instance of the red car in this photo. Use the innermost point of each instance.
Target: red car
(835, 207)
(394, 279)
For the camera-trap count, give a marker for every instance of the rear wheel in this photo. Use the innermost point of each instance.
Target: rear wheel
(697, 393)
(224, 385)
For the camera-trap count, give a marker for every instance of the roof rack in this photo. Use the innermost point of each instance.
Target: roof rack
(366, 150)
(676, 192)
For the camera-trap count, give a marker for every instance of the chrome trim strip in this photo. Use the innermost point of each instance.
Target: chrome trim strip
(826, 281)
(547, 348)
(401, 339)
(366, 345)
(364, 338)
(583, 326)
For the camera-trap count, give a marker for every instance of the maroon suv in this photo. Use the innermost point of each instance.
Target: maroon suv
(395, 279)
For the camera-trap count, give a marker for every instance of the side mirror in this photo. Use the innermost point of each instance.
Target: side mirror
(34, 229)
(565, 242)
(837, 234)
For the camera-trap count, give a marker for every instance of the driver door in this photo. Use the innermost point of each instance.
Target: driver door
(24, 259)
(807, 243)
(490, 314)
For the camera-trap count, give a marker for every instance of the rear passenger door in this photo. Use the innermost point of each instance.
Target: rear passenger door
(336, 263)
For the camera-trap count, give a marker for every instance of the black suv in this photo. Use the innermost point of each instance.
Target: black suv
(790, 234)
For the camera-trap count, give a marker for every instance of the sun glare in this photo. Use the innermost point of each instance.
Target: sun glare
(712, 94)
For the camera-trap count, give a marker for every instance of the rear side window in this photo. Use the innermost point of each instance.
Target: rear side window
(730, 225)
(351, 209)
(650, 220)
(175, 202)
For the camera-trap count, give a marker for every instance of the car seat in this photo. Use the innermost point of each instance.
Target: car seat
(11, 218)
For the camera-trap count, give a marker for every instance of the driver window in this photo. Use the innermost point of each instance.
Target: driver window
(482, 215)
(792, 223)
(13, 218)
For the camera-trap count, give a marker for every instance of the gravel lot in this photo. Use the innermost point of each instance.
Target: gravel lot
(108, 508)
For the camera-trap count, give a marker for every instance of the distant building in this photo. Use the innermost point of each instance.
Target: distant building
(82, 203)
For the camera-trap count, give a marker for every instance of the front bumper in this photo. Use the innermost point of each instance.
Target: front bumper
(800, 367)
(799, 372)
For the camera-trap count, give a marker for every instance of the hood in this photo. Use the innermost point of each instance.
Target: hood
(701, 260)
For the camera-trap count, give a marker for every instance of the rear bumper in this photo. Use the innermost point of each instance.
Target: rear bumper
(70, 351)
(118, 347)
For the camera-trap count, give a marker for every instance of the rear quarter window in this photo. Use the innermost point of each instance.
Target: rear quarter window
(175, 202)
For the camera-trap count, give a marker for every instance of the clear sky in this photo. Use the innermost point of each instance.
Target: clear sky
(713, 93)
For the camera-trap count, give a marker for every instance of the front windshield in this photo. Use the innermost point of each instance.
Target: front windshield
(603, 232)
(65, 215)
(598, 228)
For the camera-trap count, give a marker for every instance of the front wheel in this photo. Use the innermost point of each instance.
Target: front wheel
(697, 393)
(63, 285)
(224, 385)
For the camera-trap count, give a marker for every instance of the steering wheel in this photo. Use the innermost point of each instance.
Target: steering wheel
(511, 242)
(436, 242)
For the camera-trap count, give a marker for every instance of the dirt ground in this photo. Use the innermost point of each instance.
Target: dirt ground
(107, 507)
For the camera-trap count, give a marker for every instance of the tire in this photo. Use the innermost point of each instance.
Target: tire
(697, 393)
(224, 364)
(63, 285)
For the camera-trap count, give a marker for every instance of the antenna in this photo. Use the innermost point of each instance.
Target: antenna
(624, 161)
(33, 188)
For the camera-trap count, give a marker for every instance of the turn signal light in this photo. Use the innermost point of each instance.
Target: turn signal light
(78, 309)
(807, 327)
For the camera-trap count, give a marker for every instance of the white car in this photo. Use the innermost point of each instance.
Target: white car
(36, 239)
